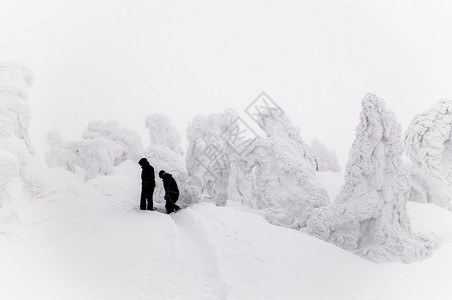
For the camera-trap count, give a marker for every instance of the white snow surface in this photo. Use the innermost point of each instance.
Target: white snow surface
(369, 216)
(428, 144)
(89, 240)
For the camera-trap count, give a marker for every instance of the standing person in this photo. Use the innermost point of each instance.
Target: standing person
(171, 191)
(147, 184)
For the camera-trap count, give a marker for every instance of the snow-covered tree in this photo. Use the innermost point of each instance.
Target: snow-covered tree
(15, 144)
(370, 217)
(15, 115)
(96, 155)
(209, 155)
(284, 188)
(126, 138)
(326, 160)
(163, 132)
(59, 154)
(428, 144)
(104, 145)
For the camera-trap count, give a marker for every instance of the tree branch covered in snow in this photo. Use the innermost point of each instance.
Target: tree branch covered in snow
(429, 146)
(369, 216)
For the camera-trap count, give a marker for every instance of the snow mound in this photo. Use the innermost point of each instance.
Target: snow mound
(428, 144)
(370, 217)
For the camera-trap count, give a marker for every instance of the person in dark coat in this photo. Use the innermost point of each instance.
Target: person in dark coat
(171, 191)
(147, 184)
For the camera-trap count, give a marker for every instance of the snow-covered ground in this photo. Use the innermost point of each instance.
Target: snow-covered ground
(78, 240)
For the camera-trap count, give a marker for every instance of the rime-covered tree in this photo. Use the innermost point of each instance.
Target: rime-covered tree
(126, 138)
(428, 144)
(163, 132)
(59, 154)
(326, 160)
(209, 155)
(96, 155)
(103, 146)
(370, 217)
(284, 189)
(15, 145)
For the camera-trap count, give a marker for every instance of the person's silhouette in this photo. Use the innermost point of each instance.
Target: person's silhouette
(147, 184)
(171, 191)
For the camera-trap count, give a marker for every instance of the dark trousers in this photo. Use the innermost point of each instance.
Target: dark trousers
(171, 199)
(147, 192)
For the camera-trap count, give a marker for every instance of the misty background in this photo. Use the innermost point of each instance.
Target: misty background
(122, 60)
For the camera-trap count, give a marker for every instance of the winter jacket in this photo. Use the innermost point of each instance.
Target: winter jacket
(147, 175)
(169, 184)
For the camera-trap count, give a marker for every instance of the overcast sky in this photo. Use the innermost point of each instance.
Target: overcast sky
(122, 60)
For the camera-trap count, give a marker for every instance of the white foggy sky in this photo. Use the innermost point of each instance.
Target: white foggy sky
(101, 60)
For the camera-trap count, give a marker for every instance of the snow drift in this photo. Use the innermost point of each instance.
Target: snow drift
(370, 217)
(429, 146)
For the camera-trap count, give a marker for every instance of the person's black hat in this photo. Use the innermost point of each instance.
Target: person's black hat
(161, 173)
(143, 161)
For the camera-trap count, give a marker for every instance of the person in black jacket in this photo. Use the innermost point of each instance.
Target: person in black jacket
(171, 191)
(147, 184)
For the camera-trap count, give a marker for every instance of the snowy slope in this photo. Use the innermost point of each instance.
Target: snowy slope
(81, 240)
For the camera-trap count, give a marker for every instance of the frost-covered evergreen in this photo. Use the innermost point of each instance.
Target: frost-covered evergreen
(326, 160)
(59, 154)
(163, 132)
(209, 156)
(15, 145)
(284, 190)
(126, 138)
(429, 146)
(369, 216)
(104, 145)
